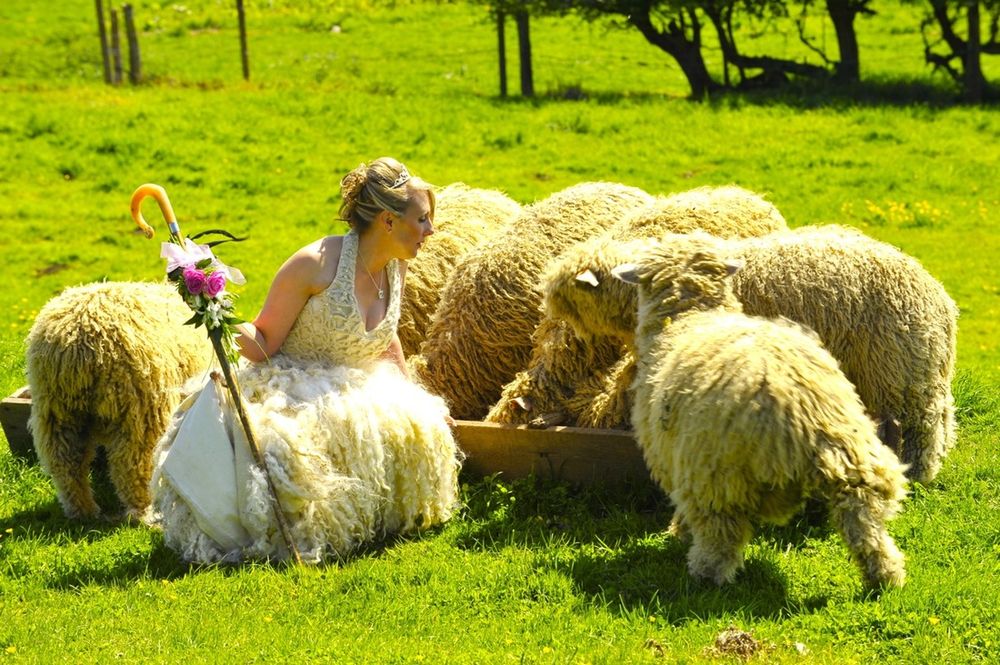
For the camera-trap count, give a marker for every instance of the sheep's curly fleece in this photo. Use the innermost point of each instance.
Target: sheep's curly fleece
(571, 380)
(742, 418)
(888, 322)
(106, 363)
(480, 335)
(464, 218)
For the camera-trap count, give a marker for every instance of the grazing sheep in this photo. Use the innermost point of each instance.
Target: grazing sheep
(726, 212)
(742, 418)
(480, 335)
(889, 323)
(464, 217)
(106, 362)
(571, 381)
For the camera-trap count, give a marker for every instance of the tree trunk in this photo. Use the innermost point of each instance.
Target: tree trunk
(974, 83)
(103, 35)
(686, 51)
(134, 60)
(244, 57)
(502, 48)
(524, 48)
(842, 14)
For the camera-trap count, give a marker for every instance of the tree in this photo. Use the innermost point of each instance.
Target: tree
(961, 58)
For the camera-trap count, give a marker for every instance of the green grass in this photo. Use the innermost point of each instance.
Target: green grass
(535, 573)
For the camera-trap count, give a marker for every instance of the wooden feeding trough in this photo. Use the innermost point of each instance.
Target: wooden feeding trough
(14, 412)
(572, 454)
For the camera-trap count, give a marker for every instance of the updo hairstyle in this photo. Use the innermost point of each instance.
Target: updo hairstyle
(384, 184)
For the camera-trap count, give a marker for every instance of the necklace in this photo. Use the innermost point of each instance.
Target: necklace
(381, 291)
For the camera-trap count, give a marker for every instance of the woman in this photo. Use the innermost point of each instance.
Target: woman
(353, 448)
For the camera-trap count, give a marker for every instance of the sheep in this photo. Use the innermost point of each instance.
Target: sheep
(579, 382)
(889, 323)
(742, 418)
(464, 217)
(106, 362)
(480, 335)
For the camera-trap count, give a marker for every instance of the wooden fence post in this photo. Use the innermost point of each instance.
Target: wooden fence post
(502, 45)
(243, 40)
(102, 33)
(134, 61)
(116, 52)
(524, 48)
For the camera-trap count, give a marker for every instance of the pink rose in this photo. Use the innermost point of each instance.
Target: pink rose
(194, 280)
(215, 283)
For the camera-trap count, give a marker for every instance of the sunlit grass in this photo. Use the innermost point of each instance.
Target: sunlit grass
(527, 573)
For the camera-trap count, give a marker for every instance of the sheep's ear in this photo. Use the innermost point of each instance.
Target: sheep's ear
(733, 266)
(524, 403)
(588, 277)
(627, 272)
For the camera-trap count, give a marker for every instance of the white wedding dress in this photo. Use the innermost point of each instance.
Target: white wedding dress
(354, 449)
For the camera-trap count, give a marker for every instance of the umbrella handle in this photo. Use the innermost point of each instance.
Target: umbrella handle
(160, 194)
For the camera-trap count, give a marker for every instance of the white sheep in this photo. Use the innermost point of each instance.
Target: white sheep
(480, 335)
(572, 381)
(742, 418)
(889, 323)
(106, 363)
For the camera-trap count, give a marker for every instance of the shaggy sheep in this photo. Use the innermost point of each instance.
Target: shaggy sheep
(742, 418)
(105, 363)
(575, 382)
(889, 323)
(464, 217)
(480, 335)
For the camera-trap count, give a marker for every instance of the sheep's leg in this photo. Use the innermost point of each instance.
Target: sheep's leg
(860, 514)
(927, 438)
(130, 466)
(718, 541)
(67, 454)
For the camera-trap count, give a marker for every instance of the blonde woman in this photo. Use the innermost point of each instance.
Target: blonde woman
(354, 449)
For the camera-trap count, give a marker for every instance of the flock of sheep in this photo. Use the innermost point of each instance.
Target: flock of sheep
(757, 365)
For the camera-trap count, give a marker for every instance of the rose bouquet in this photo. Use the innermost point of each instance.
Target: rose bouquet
(201, 279)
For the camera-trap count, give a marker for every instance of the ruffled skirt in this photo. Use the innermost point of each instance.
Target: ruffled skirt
(353, 455)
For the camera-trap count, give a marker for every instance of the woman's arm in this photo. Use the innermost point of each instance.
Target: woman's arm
(299, 278)
(395, 355)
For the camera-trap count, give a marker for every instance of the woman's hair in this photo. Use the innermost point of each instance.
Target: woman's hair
(383, 184)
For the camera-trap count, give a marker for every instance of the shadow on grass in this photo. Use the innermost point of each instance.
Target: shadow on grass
(797, 93)
(613, 545)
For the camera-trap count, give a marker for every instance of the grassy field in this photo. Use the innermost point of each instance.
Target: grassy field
(529, 572)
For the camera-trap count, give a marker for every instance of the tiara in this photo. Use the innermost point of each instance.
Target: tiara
(403, 176)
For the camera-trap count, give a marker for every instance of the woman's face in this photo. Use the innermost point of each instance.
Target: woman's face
(411, 229)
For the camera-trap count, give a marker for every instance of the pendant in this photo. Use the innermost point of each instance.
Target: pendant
(381, 294)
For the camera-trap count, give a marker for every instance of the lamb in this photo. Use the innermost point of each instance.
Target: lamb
(464, 217)
(480, 335)
(889, 323)
(742, 418)
(573, 381)
(105, 363)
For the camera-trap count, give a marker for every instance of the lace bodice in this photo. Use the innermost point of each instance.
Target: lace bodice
(330, 328)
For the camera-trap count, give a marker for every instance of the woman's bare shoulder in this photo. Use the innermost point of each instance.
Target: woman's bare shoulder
(317, 262)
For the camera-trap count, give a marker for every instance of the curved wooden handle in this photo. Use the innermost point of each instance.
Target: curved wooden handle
(160, 194)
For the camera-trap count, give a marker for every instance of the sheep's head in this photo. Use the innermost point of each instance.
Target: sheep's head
(682, 273)
(579, 289)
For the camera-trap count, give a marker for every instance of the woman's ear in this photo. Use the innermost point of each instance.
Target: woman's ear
(386, 219)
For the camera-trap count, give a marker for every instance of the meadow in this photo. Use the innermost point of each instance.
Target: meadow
(529, 571)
